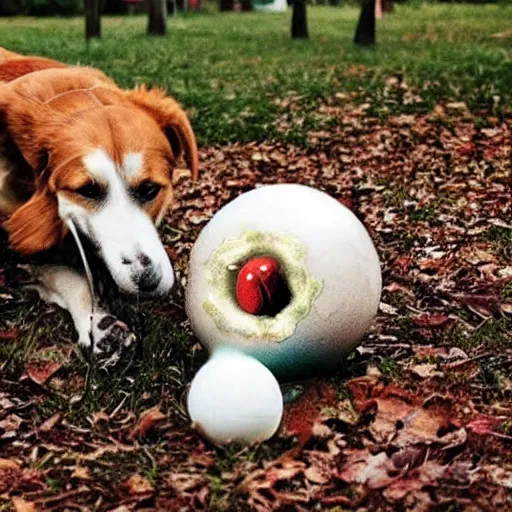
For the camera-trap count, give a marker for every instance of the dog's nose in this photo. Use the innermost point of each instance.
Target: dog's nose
(149, 280)
(143, 259)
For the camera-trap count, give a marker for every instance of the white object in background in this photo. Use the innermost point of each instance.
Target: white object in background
(234, 398)
(275, 6)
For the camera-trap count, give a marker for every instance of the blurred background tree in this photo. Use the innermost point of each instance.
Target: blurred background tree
(92, 18)
(157, 15)
(299, 20)
(41, 7)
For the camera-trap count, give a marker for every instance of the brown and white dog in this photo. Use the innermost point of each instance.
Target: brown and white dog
(74, 146)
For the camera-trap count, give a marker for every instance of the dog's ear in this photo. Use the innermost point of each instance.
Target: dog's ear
(35, 226)
(173, 121)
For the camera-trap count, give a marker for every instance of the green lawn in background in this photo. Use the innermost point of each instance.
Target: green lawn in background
(228, 69)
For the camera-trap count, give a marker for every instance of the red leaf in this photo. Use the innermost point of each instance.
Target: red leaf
(483, 425)
(9, 335)
(40, 371)
(431, 320)
(147, 421)
(9, 474)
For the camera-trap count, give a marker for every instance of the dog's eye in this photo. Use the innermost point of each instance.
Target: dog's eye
(90, 191)
(147, 191)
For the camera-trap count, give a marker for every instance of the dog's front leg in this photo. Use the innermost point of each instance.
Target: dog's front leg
(102, 338)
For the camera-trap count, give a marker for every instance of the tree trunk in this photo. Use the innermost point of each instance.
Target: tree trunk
(365, 32)
(92, 19)
(157, 16)
(226, 5)
(299, 20)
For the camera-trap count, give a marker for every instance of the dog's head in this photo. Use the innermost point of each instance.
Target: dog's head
(107, 166)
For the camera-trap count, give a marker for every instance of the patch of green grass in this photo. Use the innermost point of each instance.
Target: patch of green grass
(116, 467)
(161, 369)
(408, 242)
(39, 326)
(54, 485)
(152, 475)
(403, 326)
(495, 332)
(395, 196)
(506, 292)
(229, 69)
(493, 379)
(341, 391)
(501, 239)
(456, 336)
(448, 507)
(426, 214)
(389, 368)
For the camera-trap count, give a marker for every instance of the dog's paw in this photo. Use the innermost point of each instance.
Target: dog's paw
(111, 343)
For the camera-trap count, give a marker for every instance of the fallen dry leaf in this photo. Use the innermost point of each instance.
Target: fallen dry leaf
(431, 320)
(375, 471)
(432, 423)
(10, 426)
(186, 482)
(9, 335)
(390, 410)
(48, 425)
(43, 364)
(262, 486)
(426, 370)
(501, 476)
(10, 472)
(138, 484)
(40, 372)
(483, 425)
(148, 420)
(81, 473)
(20, 505)
(506, 308)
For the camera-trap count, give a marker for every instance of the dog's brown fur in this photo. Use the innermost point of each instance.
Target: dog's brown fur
(50, 115)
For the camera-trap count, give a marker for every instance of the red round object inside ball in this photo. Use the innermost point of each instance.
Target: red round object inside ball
(261, 288)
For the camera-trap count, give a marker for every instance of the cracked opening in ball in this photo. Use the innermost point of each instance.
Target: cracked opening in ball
(261, 287)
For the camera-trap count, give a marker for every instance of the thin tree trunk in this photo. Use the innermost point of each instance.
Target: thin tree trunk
(365, 32)
(226, 5)
(157, 15)
(299, 20)
(92, 19)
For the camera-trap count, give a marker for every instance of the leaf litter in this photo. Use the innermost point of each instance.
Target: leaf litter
(419, 416)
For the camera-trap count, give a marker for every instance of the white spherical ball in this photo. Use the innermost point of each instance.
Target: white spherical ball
(234, 397)
(329, 263)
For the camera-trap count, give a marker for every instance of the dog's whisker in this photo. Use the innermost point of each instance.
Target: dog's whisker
(87, 269)
(88, 273)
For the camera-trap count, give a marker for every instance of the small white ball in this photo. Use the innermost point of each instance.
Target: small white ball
(235, 398)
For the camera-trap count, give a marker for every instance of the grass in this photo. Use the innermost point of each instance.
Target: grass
(501, 239)
(238, 75)
(232, 70)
